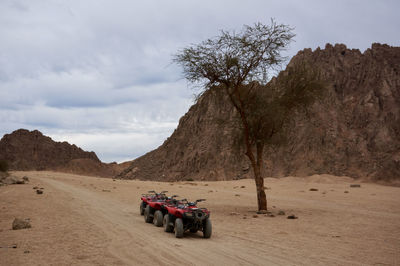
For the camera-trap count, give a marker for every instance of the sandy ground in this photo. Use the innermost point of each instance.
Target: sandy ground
(82, 220)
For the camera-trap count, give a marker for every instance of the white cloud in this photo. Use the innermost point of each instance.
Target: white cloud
(98, 73)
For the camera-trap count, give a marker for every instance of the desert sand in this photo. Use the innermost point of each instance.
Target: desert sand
(82, 220)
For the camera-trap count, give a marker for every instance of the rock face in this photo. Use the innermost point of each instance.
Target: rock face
(31, 150)
(354, 131)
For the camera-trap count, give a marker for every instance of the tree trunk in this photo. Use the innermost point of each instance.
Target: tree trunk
(258, 178)
(261, 196)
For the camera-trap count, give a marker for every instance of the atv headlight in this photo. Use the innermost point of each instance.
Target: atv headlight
(188, 214)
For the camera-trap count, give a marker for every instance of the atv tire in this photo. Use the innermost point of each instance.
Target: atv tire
(142, 207)
(147, 217)
(207, 228)
(158, 218)
(178, 228)
(166, 222)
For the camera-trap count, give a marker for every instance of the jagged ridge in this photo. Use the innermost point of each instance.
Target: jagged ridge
(355, 131)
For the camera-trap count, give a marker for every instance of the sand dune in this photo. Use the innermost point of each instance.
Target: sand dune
(81, 220)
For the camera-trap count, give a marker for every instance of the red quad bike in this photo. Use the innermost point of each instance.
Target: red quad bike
(182, 215)
(151, 195)
(155, 208)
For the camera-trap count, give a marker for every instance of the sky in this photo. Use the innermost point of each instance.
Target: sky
(99, 74)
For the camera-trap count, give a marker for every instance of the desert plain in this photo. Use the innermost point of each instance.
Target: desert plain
(83, 220)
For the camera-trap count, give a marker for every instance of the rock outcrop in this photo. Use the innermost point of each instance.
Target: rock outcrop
(354, 131)
(31, 150)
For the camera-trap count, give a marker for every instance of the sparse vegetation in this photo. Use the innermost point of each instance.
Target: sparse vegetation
(235, 66)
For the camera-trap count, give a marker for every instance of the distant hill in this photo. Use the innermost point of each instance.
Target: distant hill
(355, 131)
(31, 150)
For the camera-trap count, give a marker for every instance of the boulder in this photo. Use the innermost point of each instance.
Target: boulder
(20, 224)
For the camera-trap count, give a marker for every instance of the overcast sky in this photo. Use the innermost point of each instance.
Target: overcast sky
(98, 73)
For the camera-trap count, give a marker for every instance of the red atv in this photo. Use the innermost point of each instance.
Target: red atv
(180, 216)
(149, 197)
(154, 210)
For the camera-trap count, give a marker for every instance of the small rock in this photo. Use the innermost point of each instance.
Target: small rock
(274, 207)
(355, 185)
(25, 178)
(35, 187)
(20, 182)
(234, 213)
(313, 189)
(324, 192)
(281, 212)
(113, 179)
(244, 217)
(292, 216)
(38, 191)
(210, 191)
(237, 195)
(346, 191)
(243, 187)
(262, 212)
(20, 224)
(271, 215)
(106, 190)
(205, 185)
(14, 246)
(255, 216)
(26, 251)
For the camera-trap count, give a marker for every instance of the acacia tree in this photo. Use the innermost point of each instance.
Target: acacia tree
(235, 65)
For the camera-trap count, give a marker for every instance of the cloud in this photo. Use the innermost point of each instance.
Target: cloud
(98, 73)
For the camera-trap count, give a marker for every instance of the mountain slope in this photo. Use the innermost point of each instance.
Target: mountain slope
(355, 131)
(31, 150)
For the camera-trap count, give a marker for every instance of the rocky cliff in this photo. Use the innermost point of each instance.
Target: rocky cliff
(31, 150)
(354, 131)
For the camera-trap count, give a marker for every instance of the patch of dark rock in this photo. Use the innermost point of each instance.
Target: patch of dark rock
(20, 224)
(35, 187)
(313, 189)
(255, 216)
(106, 190)
(242, 186)
(38, 191)
(27, 251)
(25, 178)
(346, 191)
(281, 212)
(355, 185)
(292, 217)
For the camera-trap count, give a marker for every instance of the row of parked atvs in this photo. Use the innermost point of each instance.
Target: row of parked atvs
(175, 215)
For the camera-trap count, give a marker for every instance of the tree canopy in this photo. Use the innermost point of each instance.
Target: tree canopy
(235, 65)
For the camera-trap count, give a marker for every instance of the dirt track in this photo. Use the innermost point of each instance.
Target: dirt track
(93, 221)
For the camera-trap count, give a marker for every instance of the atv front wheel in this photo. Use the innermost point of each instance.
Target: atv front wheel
(142, 208)
(147, 217)
(158, 218)
(207, 228)
(167, 223)
(178, 228)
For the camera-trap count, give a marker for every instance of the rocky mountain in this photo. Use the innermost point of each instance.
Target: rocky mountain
(31, 150)
(353, 131)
